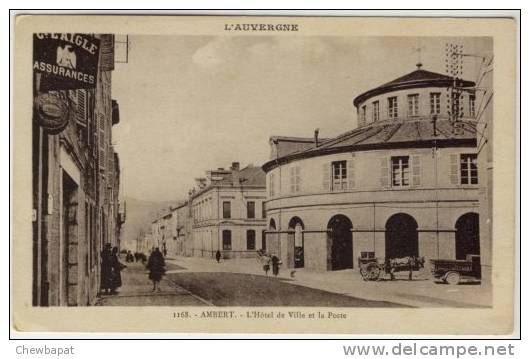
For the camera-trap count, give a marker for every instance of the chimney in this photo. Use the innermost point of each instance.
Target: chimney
(316, 137)
(235, 173)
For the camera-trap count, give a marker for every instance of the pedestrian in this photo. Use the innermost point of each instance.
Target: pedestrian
(218, 256)
(266, 262)
(275, 265)
(106, 269)
(116, 268)
(156, 267)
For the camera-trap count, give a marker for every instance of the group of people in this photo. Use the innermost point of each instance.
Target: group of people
(268, 261)
(111, 268)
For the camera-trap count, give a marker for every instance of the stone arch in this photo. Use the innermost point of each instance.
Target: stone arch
(467, 236)
(401, 236)
(296, 241)
(341, 242)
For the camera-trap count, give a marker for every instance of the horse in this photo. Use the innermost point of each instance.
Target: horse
(409, 263)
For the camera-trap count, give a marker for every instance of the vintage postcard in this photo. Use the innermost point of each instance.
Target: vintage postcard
(263, 174)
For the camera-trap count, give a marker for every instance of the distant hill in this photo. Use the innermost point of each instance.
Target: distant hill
(140, 214)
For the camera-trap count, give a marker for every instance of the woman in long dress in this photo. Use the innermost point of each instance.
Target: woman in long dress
(156, 266)
(106, 269)
(116, 268)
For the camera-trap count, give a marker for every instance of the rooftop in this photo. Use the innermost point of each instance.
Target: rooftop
(285, 145)
(416, 78)
(389, 134)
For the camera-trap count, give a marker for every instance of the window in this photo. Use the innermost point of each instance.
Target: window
(375, 111)
(271, 185)
(227, 210)
(455, 105)
(263, 240)
(472, 105)
(339, 175)
(251, 239)
(435, 103)
(251, 210)
(295, 179)
(263, 210)
(468, 169)
(413, 104)
(392, 107)
(363, 115)
(400, 171)
(227, 240)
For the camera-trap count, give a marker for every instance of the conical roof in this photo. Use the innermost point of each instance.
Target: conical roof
(414, 79)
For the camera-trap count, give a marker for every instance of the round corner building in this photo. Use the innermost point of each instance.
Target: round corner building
(403, 183)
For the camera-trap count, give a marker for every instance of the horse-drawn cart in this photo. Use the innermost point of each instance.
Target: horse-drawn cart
(455, 271)
(371, 267)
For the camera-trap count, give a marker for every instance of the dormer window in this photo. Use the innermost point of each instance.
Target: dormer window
(363, 115)
(375, 111)
(392, 107)
(413, 101)
(435, 103)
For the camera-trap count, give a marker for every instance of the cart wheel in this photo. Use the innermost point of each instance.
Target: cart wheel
(373, 271)
(452, 278)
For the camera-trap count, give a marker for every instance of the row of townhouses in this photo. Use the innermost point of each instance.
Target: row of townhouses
(407, 181)
(76, 173)
(224, 212)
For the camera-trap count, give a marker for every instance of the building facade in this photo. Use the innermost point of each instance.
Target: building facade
(75, 191)
(404, 182)
(227, 212)
(169, 230)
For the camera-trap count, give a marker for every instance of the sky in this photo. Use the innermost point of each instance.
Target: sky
(193, 103)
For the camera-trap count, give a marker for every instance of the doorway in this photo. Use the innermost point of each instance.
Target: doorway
(296, 227)
(69, 261)
(467, 237)
(401, 236)
(339, 229)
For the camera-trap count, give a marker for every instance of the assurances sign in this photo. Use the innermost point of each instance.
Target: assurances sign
(66, 60)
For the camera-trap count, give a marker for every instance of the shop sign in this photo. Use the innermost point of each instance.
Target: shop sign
(51, 112)
(66, 61)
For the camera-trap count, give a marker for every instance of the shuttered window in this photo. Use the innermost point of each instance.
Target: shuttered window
(454, 169)
(101, 139)
(416, 171)
(392, 107)
(435, 103)
(339, 175)
(362, 116)
(400, 171)
(326, 176)
(375, 111)
(294, 178)
(383, 178)
(351, 174)
(81, 110)
(468, 169)
(413, 101)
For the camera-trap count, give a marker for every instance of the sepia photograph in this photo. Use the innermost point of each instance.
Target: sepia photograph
(264, 172)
